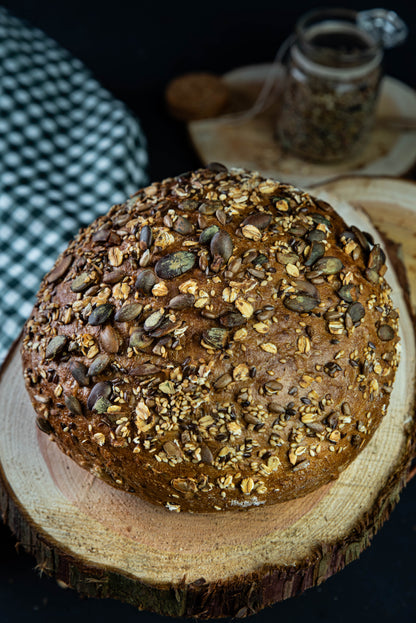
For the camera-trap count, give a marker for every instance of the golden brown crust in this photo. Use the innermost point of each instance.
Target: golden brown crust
(196, 96)
(218, 341)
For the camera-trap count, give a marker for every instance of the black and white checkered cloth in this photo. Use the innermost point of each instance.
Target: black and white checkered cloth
(68, 150)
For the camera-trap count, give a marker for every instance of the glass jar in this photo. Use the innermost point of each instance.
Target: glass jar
(331, 86)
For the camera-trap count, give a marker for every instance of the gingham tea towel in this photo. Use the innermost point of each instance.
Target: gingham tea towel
(68, 150)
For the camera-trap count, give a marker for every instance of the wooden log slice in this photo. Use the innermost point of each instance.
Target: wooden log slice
(250, 141)
(107, 543)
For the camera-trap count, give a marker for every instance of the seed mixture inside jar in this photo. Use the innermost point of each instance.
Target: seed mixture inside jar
(331, 88)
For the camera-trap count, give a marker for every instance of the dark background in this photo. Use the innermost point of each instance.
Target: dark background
(134, 49)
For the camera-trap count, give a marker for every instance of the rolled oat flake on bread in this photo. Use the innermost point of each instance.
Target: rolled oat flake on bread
(219, 341)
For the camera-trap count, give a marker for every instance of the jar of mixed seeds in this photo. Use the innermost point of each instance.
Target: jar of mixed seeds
(331, 87)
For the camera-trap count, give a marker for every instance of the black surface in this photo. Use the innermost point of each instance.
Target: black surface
(134, 49)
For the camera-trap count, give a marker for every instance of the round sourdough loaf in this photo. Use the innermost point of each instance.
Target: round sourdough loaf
(219, 341)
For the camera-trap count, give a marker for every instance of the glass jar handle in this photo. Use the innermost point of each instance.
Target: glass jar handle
(386, 27)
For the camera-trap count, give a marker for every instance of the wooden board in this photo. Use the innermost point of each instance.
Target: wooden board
(107, 543)
(252, 143)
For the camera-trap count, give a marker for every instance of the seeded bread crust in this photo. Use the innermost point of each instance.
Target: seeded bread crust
(219, 341)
